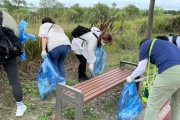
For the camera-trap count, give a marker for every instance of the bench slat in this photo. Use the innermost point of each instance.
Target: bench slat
(101, 91)
(115, 79)
(110, 81)
(103, 82)
(99, 79)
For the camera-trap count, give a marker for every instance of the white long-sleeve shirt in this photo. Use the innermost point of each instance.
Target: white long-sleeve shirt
(87, 46)
(141, 68)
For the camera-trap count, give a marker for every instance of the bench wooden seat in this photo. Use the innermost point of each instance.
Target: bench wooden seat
(84, 92)
(103, 83)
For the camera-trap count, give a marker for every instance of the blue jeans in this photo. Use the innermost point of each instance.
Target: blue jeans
(58, 55)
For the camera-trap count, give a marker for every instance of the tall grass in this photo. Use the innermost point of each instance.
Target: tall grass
(126, 38)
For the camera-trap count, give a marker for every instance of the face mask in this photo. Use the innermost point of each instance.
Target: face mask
(102, 42)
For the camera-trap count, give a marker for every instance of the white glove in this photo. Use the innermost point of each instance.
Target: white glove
(129, 79)
(91, 66)
(43, 54)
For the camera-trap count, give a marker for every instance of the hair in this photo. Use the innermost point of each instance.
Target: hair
(47, 19)
(142, 41)
(163, 37)
(107, 37)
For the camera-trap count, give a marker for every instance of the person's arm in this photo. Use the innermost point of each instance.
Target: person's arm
(92, 43)
(44, 42)
(141, 68)
(44, 52)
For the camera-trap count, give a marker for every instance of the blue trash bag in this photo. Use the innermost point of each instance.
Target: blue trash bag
(100, 60)
(23, 37)
(44, 84)
(47, 77)
(130, 104)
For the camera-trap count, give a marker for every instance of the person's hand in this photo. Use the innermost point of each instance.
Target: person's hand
(91, 66)
(43, 54)
(129, 79)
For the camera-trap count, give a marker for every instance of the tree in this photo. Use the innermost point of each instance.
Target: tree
(47, 3)
(132, 11)
(101, 12)
(158, 11)
(70, 15)
(12, 5)
(150, 18)
(50, 8)
(80, 11)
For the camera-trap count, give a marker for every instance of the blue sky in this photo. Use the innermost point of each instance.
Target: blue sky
(142, 4)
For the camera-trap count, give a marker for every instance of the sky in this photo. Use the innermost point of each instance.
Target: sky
(142, 4)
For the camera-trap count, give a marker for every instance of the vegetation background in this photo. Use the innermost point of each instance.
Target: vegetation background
(127, 25)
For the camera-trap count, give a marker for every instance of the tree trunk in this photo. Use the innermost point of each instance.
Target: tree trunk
(150, 19)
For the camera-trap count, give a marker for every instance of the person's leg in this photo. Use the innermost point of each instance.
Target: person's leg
(11, 68)
(82, 68)
(65, 49)
(164, 86)
(175, 105)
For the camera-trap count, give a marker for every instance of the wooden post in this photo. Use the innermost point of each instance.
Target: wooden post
(150, 19)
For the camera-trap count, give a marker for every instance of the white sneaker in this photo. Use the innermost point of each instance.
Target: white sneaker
(20, 110)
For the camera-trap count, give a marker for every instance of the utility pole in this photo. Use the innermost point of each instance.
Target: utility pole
(150, 18)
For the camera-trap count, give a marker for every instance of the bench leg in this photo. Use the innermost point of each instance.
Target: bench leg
(72, 96)
(58, 103)
(79, 109)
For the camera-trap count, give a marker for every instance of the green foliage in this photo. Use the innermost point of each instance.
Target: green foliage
(127, 32)
(70, 15)
(132, 11)
(121, 15)
(160, 23)
(68, 112)
(11, 5)
(101, 11)
(173, 24)
(91, 114)
(158, 11)
(47, 3)
(80, 12)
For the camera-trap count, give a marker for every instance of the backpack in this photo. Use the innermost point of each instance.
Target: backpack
(80, 30)
(10, 45)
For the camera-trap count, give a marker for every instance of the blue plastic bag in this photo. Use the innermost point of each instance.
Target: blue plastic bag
(47, 77)
(130, 104)
(100, 60)
(23, 37)
(44, 84)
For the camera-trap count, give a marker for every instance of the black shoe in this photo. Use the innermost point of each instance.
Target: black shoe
(83, 78)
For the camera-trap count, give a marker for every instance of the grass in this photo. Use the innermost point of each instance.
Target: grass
(124, 47)
(45, 110)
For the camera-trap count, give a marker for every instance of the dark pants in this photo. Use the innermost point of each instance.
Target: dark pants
(11, 68)
(82, 65)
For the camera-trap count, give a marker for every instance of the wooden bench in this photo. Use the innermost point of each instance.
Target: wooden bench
(84, 92)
